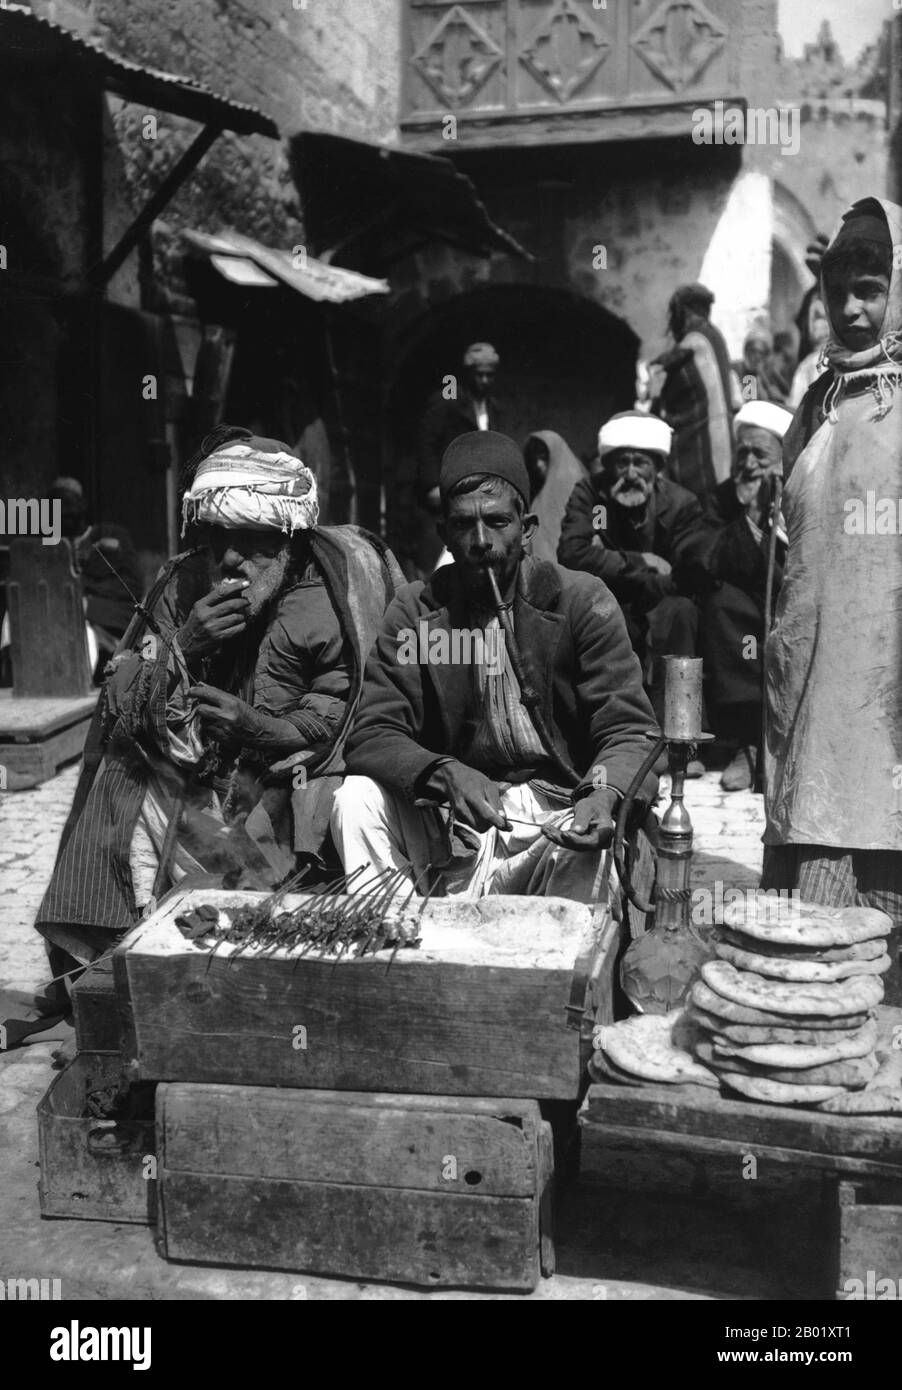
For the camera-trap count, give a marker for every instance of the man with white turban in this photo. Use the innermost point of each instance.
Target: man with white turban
(218, 740)
(632, 527)
(735, 566)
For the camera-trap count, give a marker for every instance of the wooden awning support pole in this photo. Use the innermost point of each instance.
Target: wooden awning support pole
(340, 417)
(156, 203)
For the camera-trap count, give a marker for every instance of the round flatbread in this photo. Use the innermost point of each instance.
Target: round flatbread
(883, 1095)
(750, 1034)
(837, 1000)
(805, 924)
(873, 1100)
(854, 1074)
(654, 1047)
(704, 997)
(777, 1092)
(804, 971)
(806, 1054)
(602, 1069)
(859, 950)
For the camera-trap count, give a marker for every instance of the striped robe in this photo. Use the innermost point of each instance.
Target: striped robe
(697, 402)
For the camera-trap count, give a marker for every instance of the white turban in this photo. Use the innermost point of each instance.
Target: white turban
(764, 415)
(481, 355)
(245, 485)
(632, 430)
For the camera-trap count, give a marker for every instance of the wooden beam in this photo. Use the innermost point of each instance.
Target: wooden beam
(173, 181)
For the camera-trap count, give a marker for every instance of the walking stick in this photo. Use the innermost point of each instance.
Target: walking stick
(776, 502)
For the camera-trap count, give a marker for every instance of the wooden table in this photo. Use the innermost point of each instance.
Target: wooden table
(859, 1156)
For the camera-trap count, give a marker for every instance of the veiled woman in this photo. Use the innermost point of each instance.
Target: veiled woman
(554, 470)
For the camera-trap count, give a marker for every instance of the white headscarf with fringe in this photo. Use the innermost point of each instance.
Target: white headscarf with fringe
(244, 484)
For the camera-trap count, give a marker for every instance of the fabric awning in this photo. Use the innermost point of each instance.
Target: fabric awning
(351, 190)
(30, 42)
(247, 262)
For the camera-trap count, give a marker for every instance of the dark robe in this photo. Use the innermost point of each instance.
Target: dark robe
(696, 401)
(734, 579)
(442, 422)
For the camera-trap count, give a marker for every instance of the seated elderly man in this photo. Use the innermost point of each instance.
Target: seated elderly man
(633, 528)
(485, 762)
(222, 719)
(735, 562)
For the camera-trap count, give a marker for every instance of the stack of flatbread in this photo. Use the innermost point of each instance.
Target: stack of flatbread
(787, 1007)
(652, 1048)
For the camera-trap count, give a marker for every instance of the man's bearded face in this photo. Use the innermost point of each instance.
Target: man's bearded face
(757, 452)
(260, 557)
(627, 477)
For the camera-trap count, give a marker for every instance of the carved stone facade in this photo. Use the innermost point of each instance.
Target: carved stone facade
(512, 68)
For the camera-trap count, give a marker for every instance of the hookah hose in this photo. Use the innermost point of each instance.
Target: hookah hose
(620, 826)
(528, 695)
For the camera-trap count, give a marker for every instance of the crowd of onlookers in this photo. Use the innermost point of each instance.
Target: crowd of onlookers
(674, 511)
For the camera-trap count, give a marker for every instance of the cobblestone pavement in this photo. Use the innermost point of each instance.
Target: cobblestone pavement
(30, 826)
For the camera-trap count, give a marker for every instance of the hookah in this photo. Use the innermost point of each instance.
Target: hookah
(660, 964)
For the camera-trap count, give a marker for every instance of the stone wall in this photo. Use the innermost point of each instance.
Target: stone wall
(310, 64)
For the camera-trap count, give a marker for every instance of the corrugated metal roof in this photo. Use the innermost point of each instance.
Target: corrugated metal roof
(345, 180)
(315, 279)
(28, 41)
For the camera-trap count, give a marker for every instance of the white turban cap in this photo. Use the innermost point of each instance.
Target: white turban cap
(244, 484)
(765, 416)
(633, 430)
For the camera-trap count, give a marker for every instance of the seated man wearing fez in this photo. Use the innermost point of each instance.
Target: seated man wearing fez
(466, 742)
(633, 528)
(224, 712)
(735, 566)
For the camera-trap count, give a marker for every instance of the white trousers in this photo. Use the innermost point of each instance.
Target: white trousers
(376, 830)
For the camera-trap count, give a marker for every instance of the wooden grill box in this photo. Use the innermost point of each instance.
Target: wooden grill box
(499, 999)
(409, 1189)
(83, 1174)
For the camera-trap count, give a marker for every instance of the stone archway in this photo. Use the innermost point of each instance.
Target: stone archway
(567, 364)
(793, 229)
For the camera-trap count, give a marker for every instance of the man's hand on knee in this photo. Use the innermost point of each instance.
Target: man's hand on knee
(474, 798)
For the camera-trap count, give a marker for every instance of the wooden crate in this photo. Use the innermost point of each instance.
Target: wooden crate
(870, 1240)
(94, 1009)
(82, 1174)
(500, 999)
(434, 1191)
(37, 736)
